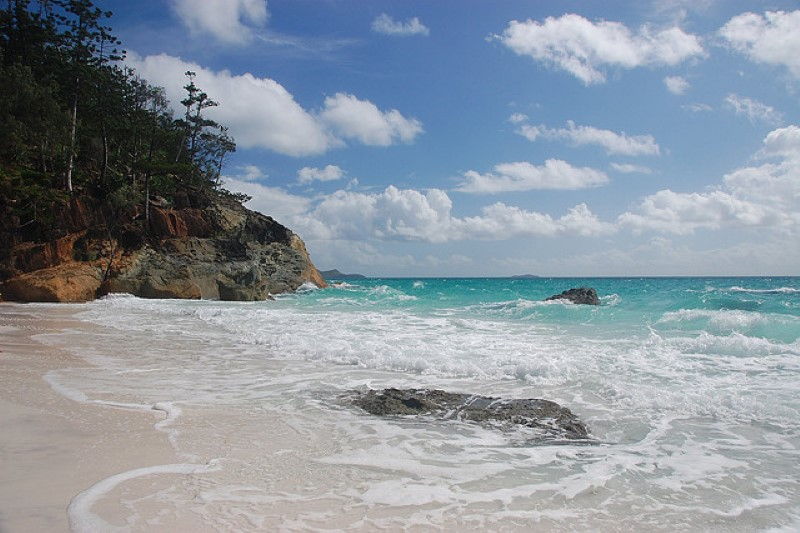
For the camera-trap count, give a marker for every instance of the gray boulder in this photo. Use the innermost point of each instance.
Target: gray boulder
(581, 295)
(552, 421)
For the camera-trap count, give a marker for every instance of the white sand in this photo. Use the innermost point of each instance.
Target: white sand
(51, 448)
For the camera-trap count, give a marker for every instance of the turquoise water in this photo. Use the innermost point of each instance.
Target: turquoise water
(690, 388)
(766, 307)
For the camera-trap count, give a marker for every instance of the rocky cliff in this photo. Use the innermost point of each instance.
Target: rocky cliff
(212, 249)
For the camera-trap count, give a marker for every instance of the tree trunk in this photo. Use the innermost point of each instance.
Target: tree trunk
(104, 168)
(147, 201)
(74, 121)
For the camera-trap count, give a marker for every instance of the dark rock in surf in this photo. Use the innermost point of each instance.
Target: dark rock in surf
(581, 295)
(551, 420)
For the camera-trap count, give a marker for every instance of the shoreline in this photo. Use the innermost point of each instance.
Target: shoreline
(57, 451)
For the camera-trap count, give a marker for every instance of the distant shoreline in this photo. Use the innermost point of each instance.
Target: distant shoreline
(518, 278)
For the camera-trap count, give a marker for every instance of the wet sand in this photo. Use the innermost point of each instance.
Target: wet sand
(52, 448)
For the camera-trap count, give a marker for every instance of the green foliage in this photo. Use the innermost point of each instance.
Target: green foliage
(73, 119)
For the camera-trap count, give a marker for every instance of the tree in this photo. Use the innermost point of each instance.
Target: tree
(90, 46)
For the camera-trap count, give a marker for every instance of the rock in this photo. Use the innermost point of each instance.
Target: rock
(220, 251)
(581, 295)
(223, 252)
(69, 282)
(549, 418)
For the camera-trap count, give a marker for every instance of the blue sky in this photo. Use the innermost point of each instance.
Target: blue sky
(492, 138)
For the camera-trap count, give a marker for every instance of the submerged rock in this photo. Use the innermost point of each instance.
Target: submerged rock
(581, 295)
(551, 419)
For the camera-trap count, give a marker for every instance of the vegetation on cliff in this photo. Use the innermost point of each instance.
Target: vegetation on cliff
(100, 181)
(74, 121)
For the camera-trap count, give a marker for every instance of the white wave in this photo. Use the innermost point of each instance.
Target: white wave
(390, 292)
(611, 299)
(721, 318)
(418, 284)
(117, 296)
(778, 290)
(730, 320)
(307, 286)
(521, 304)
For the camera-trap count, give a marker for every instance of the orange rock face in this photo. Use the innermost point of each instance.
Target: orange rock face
(188, 222)
(68, 282)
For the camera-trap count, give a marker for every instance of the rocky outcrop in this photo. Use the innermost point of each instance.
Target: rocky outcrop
(71, 282)
(220, 251)
(581, 295)
(549, 419)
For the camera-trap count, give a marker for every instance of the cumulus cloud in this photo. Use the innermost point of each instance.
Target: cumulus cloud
(772, 38)
(411, 215)
(517, 118)
(783, 142)
(614, 143)
(329, 173)
(358, 119)
(627, 168)
(581, 47)
(228, 21)
(272, 201)
(524, 176)
(676, 84)
(386, 25)
(754, 110)
(261, 113)
(767, 195)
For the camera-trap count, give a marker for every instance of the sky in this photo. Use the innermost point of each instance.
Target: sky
(484, 138)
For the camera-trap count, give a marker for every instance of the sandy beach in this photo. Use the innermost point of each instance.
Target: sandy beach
(53, 449)
(167, 415)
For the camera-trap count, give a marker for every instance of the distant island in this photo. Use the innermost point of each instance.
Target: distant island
(335, 274)
(525, 276)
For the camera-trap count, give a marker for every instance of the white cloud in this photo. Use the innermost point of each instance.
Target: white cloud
(250, 173)
(627, 168)
(697, 107)
(229, 21)
(683, 213)
(676, 84)
(753, 109)
(766, 196)
(524, 176)
(516, 118)
(329, 173)
(772, 38)
(388, 26)
(411, 215)
(273, 201)
(614, 143)
(582, 47)
(358, 119)
(261, 113)
(502, 221)
(783, 142)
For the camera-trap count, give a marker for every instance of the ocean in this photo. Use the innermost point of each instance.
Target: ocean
(690, 388)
